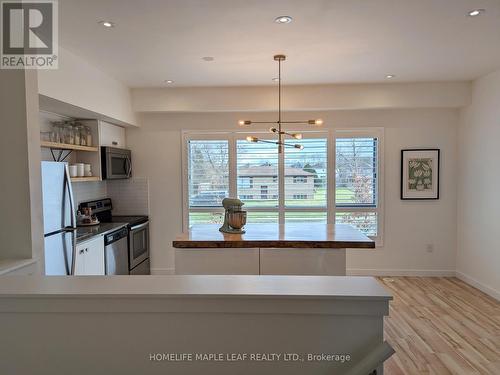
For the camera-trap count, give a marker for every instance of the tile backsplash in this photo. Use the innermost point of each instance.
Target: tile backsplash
(130, 197)
(87, 191)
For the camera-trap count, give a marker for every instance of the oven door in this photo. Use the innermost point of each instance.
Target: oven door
(138, 244)
(118, 163)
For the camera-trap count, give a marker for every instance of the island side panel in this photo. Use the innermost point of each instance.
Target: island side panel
(263, 261)
(209, 261)
(100, 333)
(319, 262)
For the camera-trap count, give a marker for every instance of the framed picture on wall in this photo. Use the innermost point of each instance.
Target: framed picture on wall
(420, 174)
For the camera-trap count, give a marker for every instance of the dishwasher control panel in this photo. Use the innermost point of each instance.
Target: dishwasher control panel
(115, 236)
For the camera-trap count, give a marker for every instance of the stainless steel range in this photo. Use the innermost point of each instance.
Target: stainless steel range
(138, 234)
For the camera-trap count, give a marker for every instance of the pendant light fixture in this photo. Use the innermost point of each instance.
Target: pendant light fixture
(278, 128)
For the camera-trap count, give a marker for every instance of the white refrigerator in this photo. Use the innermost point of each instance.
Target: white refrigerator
(59, 219)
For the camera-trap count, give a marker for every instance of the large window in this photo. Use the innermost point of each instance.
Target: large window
(289, 188)
(258, 163)
(305, 175)
(357, 181)
(208, 179)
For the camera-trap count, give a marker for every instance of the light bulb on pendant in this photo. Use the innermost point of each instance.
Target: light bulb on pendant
(273, 130)
(244, 122)
(317, 121)
(297, 136)
(300, 147)
(252, 139)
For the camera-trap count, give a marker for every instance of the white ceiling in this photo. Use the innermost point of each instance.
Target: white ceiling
(329, 41)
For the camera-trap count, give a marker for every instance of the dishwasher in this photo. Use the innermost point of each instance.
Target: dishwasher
(116, 252)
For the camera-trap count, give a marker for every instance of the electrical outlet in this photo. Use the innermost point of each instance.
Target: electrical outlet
(429, 248)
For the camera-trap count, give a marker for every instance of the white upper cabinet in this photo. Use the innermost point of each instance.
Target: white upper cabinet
(112, 135)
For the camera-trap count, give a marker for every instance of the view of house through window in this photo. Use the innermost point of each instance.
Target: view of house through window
(297, 191)
(257, 170)
(306, 176)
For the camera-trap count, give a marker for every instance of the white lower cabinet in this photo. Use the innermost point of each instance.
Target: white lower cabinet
(217, 261)
(90, 257)
(320, 262)
(264, 261)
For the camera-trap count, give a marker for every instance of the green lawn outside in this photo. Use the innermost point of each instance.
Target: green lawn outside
(318, 201)
(272, 217)
(259, 217)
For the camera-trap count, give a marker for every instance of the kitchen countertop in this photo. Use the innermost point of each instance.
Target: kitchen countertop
(322, 287)
(86, 233)
(304, 235)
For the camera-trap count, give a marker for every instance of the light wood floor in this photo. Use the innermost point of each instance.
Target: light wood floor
(441, 326)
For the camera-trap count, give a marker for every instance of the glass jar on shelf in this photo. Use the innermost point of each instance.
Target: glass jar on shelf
(69, 133)
(83, 136)
(54, 136)
(58, 132)
(88, 136)
(77, 130)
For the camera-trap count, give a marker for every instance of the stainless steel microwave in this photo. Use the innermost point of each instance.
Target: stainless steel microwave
(116, 163)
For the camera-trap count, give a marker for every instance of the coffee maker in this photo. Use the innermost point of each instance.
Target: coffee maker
(234, 217)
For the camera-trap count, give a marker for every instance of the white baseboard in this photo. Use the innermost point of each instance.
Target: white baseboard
(399, 272)
(476, 284)
(162, 271)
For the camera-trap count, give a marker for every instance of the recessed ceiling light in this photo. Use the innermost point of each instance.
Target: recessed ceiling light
(390, 76)
(208, 58)
(169, 81)
(107, 24)
(476, 12)
(283, 19)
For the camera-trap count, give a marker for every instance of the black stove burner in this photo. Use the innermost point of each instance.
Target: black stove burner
(102, 209)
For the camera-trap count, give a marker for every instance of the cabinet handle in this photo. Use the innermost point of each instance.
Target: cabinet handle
(86, 250)
(81, 251)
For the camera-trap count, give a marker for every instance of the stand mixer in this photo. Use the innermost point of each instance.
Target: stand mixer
(234, 217)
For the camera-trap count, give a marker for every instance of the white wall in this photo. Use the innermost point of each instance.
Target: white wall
(409, 226)
(305, 97)
(21, 229)
(83, 85)
(478, 255)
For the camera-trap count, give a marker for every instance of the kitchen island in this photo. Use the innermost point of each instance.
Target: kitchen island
(268, 249)
(279, 325)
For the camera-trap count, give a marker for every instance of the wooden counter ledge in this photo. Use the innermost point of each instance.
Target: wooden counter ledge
(305, 235)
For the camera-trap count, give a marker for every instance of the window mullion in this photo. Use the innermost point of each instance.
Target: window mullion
(281, 187)
(330, 175)
(232, 155)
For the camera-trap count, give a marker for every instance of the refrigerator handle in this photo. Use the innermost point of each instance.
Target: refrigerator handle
(70, 194)
(73, 252)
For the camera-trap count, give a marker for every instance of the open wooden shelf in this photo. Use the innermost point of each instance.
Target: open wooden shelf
(63, 146)
(85, 179)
